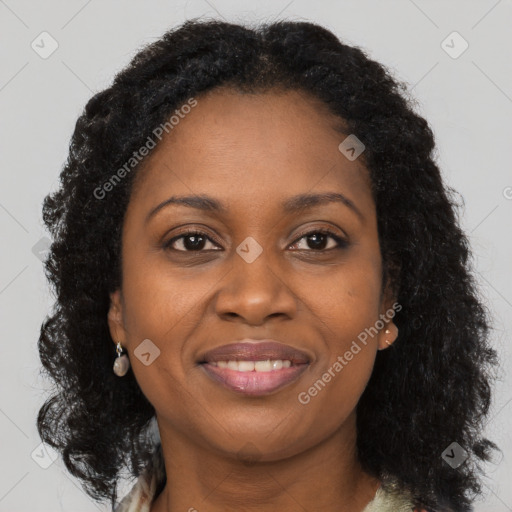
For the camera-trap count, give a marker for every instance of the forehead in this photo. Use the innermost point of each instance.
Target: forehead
(252, 149)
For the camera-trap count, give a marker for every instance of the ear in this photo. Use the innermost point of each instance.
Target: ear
(387, 335)
(389, 331)
(115, 318)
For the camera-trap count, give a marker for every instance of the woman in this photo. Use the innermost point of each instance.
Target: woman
(252, 221)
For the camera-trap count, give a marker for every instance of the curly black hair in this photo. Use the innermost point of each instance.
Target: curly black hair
(431, 388)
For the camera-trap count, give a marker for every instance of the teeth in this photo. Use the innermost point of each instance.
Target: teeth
(233, 365)
(266, 366)
(245, 366)
(258, 366)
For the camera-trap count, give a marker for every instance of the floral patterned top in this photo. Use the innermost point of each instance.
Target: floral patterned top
(144, 491)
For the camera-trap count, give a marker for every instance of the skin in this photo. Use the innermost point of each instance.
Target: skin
(253, 151)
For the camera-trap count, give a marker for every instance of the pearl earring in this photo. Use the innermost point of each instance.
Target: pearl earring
(122, 363)
(387, 331)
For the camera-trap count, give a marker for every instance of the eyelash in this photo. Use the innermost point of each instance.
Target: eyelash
(342, 243)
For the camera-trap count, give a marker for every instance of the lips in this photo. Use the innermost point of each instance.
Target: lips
(253, 350)
(279, 365)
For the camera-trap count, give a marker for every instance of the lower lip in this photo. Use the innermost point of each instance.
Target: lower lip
(254, 383)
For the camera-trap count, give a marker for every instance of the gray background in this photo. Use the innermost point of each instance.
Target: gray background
(467, 100)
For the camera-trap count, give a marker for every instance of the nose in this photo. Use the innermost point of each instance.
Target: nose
(254, 292)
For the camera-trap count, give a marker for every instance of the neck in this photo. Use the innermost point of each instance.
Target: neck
(326, 477)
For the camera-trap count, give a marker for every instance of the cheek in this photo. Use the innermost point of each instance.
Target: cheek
(157, 301)
(166, 308)
(347, 309)
(158, 308)
(348, 300)
(335, 389)
(349, 372)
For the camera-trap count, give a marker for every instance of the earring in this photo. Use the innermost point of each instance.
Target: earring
(387, 331)
(122, 363)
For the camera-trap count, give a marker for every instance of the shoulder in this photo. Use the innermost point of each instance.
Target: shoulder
(141, 495)
(391, 501)
(143, 492)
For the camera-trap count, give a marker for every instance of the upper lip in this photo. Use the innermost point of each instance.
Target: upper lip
(255, 350)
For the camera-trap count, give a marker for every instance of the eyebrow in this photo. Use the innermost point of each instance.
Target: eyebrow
(291, 205)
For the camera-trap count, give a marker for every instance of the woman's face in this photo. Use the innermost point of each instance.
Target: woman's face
(257, 270)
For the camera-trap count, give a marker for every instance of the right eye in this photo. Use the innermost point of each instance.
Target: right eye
(190, 241)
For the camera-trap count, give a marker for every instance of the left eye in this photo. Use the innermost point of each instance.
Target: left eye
(318, 239)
